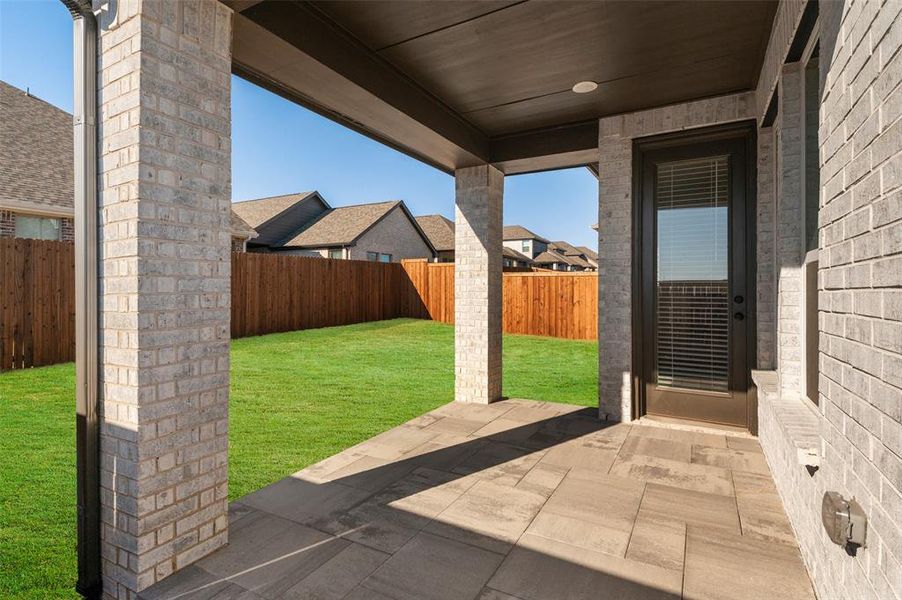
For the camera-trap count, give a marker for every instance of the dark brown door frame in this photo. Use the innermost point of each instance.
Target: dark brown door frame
(746, 131)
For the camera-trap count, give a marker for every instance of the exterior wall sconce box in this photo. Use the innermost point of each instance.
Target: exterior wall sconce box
(843, 519)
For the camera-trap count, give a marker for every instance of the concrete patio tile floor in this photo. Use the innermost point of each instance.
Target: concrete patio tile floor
(518, 500)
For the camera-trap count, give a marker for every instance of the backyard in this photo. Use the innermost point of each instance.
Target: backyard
(296, 398)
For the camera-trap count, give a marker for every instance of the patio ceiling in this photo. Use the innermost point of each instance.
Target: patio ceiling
(461, 83)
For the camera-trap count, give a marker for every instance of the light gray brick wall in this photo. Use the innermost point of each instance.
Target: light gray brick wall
(615, 230)
(394, 235)
(859, 416)
(861, 284)
(786, 21)
(477, 284)
(766, 251)
(165, 187)
(790, 230)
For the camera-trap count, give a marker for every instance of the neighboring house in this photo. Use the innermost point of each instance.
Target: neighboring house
(305, 224)
(36, 175)
(524, 241)
(590, 255)
(556, 262)
(440, 231)
(37, 189)
(578, 257)
(512, 258)
(278, 218)
(242, 233)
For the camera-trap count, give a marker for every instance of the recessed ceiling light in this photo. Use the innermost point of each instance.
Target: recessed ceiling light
(584, 87)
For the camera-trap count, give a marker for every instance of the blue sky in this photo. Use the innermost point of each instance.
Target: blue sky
(279, 147)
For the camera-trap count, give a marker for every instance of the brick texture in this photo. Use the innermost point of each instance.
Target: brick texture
(477, 284)
(395, 235)
(165, 266)
(615, 230)
(765, 251)
(790, 234)
(859, 417)
(861, 291)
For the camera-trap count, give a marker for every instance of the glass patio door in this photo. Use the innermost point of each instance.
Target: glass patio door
(694, 283)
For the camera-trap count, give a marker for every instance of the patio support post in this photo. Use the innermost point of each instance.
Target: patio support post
(477, 284)
(790, 240)
(164, 276)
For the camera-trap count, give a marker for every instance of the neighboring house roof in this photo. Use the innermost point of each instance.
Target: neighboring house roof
(579, 261)
(280, 217)
(548, 257)
(565, 247)
(257, 212)
(344, 225)
(513, 254)
(36, 158)
(240, 228)
(36, 154)
(592, 254)
(439, 230)
(575, 255)
(341, 226)
(518, 232)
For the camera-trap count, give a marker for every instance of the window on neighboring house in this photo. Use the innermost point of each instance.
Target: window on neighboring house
(372, 256)
(527, 246)
(37, 228)
(336, 253)
(812, 188)
(386, 258)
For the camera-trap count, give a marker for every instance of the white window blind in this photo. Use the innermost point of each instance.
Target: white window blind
(692, 301)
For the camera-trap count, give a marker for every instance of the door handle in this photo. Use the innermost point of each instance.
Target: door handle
(738, 316)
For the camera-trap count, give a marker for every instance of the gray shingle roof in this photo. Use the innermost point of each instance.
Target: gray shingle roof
(566, 247)
(511, 253)
(439, 230)
(240, 228)
(36, 157)
(258, 212)
(588, 252)
(36, 151)
(549, 256)
(518, 232)
(546, 258)
(341, 226)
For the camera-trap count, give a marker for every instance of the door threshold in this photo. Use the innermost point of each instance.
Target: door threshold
(694, 425)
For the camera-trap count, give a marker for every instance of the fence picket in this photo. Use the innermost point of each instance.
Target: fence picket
(272, 293)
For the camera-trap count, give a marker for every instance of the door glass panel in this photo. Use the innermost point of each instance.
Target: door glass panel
(692, 287)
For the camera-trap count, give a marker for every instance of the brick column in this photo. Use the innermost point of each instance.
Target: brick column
(165, 183)
(765, 249)
(615, 234)
(790, 240)
(477, 284)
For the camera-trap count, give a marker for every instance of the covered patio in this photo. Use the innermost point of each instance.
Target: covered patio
(748, 162)
(514, 500)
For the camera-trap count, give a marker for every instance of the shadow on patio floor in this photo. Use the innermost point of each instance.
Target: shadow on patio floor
(517, 499)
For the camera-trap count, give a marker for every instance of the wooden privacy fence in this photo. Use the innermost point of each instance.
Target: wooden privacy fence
(273, 293)
(37, 303)
(548, 303)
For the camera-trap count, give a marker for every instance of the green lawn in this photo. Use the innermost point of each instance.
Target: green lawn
(296, 398)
